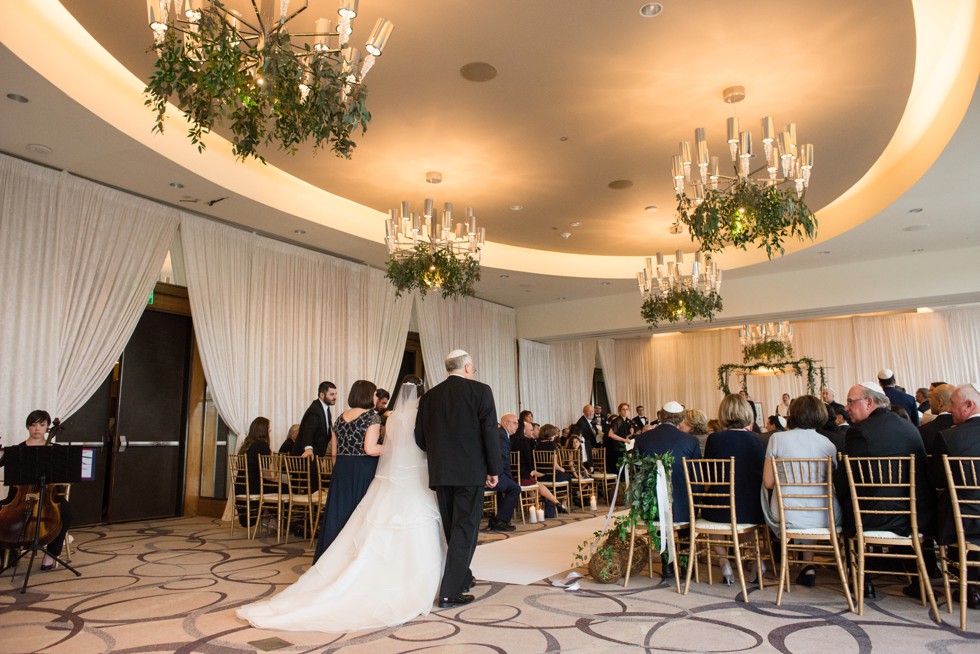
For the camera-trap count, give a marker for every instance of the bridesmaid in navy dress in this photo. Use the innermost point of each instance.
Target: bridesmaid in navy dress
(355, 451)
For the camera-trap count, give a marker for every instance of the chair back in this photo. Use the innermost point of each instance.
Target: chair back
(710, 485)
(515, 465)
(804, 486)
(324, 469)
(270, 472)
(238, 467)
(882, 491)
(297, 472)
(544, 462)
(599, 459)
(571, 460)
(963, 479)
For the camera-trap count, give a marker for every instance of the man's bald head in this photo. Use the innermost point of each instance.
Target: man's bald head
(965, 403)
(509, 422)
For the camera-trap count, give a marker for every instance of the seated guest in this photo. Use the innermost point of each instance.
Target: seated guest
(835, 427)
(255, 443)
(737, 440)
(547, 442)
(575, 441)
(667, 437)
(801, 441)
(713, 425)
(900, 412)
(940, 402)
(287, 445)
(961, 440)
(773, 425)
(877, 432)
(527, 417)
(695, 423)
(828, 395)
(507, 489)
(886, 379)
(520, 442)
(38, 422)
(922, 399)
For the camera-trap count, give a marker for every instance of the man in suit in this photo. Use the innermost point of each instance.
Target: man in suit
(878, 432)
(457, 426)
(507, 488)
(898, 397)
(666, 437)
(828, 395)
(961, 440)
(315, 427)
(640, 420)
(940, 402)
(586, 425)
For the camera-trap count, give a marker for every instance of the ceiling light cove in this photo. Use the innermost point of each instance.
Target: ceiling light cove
(620, 184)
(478, 71)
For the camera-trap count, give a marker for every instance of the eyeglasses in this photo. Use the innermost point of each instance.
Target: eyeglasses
(855, 401)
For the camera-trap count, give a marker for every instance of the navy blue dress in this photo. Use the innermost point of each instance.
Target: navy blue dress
(353, 472)
(749, 458)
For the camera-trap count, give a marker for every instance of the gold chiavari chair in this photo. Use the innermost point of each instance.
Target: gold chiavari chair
(605, 480)
(270, 492)
(963, 479)
(884, 488)
(529, 494)
(805, 488)
(238, 466)
(324, 469)
(546, 463)
(581, 483)
(489, 503)
(302, 501)
(711, 485)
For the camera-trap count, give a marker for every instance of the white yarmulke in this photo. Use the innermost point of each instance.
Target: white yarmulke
(885, 373)
(782, 421)
(457, 353)
(673, 407)
(872, 386)
(975, 386)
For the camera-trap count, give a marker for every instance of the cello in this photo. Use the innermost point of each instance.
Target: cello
(27, 512)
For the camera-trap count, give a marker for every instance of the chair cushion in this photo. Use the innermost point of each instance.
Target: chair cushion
(886, 534)
(707, 525)
(812, 531)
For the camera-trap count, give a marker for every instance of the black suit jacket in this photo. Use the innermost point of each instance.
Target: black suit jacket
(503, 438)
(960, 440)
(668, 438)
(457, 426)
(314, 431)
(930, 433)
(587, 427)
(884, 433)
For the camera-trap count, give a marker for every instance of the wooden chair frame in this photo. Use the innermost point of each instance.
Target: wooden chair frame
(238, 467)
(711, 484)
(800, 479)
(581, 483)
(529, 494)
(962, 476)
(297, 470)
(546, 462)
(489, 503)
(865, 476)
(270, 491)
(324, 469)
(599, 475)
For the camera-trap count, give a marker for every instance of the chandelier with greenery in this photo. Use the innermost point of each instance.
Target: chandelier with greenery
(762, 206)
(767, 350)
(671, 293)
(219, 66)
(426, 252)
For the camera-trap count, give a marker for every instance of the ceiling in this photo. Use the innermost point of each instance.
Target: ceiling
(586, 93)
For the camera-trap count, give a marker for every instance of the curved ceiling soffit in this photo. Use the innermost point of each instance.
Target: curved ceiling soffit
(947, 65)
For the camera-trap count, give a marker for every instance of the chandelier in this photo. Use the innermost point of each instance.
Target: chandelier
(762, 205)
(766, 344)
(670, 293)
(221, 66)
(431, 252)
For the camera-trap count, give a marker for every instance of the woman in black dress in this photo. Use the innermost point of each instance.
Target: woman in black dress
(355, 451)
(619, 433)
(736, 439)
(255, 443)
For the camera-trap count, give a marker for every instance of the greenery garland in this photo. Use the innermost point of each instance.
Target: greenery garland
(680, 304)
(747, 213)
(212, 82)
(426, 269)
(805, 364)
(767, 351)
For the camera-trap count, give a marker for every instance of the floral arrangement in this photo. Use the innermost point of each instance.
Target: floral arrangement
(799, 367)
(212, 82)
(680, 304)
(746, 213)
(426, 269)
(767, 350)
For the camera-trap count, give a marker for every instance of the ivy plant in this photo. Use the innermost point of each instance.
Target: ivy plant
(425, 269)
(680, 304)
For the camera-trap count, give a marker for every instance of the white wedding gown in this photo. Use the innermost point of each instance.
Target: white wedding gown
(384, 568)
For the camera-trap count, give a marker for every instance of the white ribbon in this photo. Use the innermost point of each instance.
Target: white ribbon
(665, 513)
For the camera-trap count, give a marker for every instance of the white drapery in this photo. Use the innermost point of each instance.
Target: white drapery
(486, 330)
(389, 317)
(79, 263)
(538, 392)
(919, 348)
(556, 379)
(615, 392)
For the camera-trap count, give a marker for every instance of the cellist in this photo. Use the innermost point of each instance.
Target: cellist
(38, 423)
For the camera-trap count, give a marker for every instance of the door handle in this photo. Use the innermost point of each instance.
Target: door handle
(122, 443)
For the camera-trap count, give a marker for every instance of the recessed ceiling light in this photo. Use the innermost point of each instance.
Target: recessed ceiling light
(923, 310)
(299, 232)
(823, 252)
(516, 207)
(565, 235)
(915, 210)
(651, 9)
(916, 228)
(606, 284)
(504, 276)
(917, 250)
(17, 98)
(620, 184)
(478, 71)
(651, 208)
(575, 224)
(562, 138)
(38, 148)
(176, 185)
(433, 177)
(562, 297)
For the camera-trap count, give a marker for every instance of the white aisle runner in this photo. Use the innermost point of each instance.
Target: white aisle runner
(526, 559)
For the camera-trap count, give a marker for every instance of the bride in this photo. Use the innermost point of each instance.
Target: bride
(384, 568)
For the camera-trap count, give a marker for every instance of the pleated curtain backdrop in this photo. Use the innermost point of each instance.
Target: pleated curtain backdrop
(79, 263)
(572, 368)
(486, 330)
(538, 392)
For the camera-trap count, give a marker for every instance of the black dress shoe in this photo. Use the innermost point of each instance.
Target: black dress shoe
(454, 600)
(869, 590)
(973, 598)
(500, 525)
(912, 590)
(667, 570)
(807, 577)
(49, 566)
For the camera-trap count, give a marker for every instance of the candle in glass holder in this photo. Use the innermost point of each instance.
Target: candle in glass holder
(593, 504)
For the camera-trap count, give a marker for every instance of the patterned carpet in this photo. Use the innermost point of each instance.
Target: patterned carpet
(173, 585)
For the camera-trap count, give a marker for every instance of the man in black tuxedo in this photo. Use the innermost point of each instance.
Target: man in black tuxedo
(961, 440)
(508, 491)
(940, 402)
(666, 437)
(457, 426)
(586, 424)
(315, 427)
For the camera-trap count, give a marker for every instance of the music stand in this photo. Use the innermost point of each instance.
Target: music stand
(40, 466)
